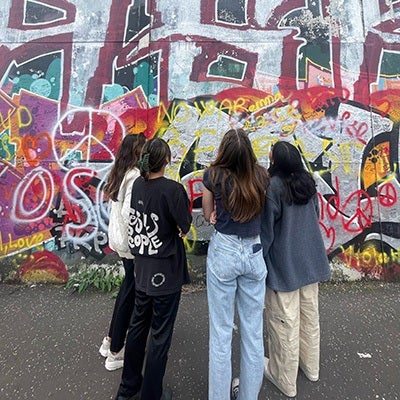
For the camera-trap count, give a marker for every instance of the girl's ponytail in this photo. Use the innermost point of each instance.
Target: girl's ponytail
(144, 165)
(155, 155)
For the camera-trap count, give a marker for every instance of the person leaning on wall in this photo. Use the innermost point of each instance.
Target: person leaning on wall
(235, 266)
(119, 188)
(296, 260)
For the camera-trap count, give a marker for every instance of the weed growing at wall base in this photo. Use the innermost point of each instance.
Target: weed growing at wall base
(102, 277)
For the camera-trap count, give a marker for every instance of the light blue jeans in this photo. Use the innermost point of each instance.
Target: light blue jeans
(236, 271)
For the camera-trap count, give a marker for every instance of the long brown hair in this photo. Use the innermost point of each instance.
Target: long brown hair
(127, 158)
(237, 168)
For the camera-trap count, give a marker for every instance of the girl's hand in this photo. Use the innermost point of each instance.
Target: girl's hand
(181, 234)
(213, 217)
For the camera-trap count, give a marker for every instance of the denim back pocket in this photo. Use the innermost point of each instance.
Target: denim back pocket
(257, 264)
(223, 258)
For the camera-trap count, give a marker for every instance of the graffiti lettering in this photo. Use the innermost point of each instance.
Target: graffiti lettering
(65, 106)
(11, 245)
(33, 196)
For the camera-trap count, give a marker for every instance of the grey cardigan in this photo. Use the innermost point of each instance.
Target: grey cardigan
(292, 242)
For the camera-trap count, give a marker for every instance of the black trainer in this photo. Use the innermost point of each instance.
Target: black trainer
(134, 397)
(167, 394)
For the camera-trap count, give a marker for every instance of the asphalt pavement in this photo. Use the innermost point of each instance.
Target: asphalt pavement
(49, 340)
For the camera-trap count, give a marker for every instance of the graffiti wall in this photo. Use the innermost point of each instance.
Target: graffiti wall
(76, 76)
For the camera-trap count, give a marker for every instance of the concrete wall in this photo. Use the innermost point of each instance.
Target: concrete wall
(76, 76)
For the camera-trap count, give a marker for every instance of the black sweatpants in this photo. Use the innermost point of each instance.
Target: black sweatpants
(123, 307)
(157, 314)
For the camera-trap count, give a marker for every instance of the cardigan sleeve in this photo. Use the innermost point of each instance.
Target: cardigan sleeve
(272, 211)
(126, 194)
(315, 200)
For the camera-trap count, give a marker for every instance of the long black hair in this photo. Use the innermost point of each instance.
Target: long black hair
(286, 163)
(155, 155)
(127, 158)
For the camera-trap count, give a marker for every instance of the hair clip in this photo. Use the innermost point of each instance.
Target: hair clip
(144, 162)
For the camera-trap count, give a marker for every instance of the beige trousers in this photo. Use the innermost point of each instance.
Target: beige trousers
(293, 334)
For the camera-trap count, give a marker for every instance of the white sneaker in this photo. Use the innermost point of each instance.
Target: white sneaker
(235, 389)
(309, 376)
(115, 361)
(268, 375)
(105, 347)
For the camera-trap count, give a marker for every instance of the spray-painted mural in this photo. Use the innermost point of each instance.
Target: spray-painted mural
(76, 76)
